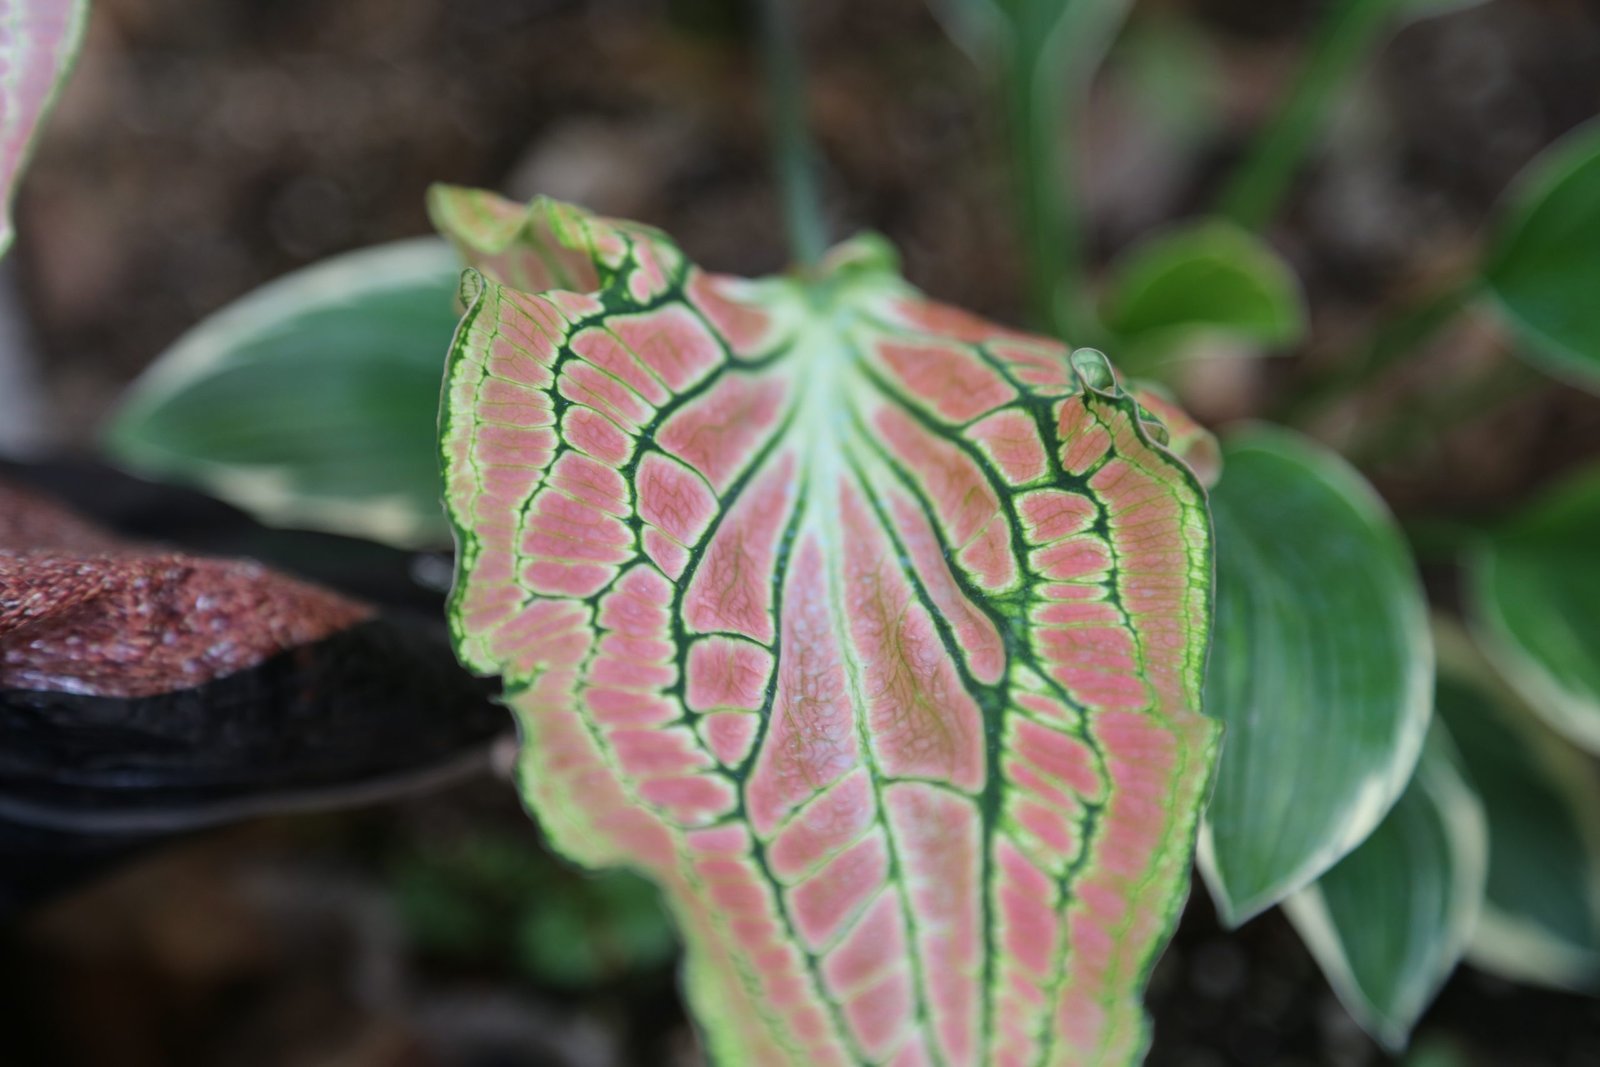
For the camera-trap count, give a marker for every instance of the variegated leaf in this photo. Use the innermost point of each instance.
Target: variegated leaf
(38, 39)
(870, 630)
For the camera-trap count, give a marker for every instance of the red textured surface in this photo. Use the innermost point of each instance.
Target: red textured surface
(82, 612)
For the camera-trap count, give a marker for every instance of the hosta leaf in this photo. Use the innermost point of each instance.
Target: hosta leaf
(312, 401)
(1544, 263)
(1390, 921)
(871, 631)
(1533, 589)
(1321, 668)
(37, 46)
(1541, 915)
(1209, 279)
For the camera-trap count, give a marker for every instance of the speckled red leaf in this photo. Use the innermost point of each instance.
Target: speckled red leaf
(83, 612)
(871, 630)
(38, 39)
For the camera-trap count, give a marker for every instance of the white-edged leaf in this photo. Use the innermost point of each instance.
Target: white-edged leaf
(1541, 913)
(1533, 588)
(313, 400)
(1321, 664)
(1391, 920)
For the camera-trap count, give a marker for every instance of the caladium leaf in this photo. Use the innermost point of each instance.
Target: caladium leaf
(1321, 668)
(1533, 585)
(1391, 920)
(37, 46)
(1192, 442)
(871, 631)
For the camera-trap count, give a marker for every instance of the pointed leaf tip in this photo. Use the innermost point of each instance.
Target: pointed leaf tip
(859, 625)
(1390, 921)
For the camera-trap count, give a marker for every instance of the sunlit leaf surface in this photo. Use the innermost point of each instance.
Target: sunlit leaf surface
(312, 401)
(38, 39)
(1534, 586)
(1390, 921)
(1320, 668)
(870, 630)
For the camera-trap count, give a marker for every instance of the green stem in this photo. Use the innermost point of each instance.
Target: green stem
(1050, 53)
(1344, 38)
(1389, 344)
(1048, 229)
(792, 153)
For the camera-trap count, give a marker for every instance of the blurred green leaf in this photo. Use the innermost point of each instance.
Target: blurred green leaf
(1436, 1052)
(505, 900)
(604, 926)
(1320, 666)
(1170, 70)
(312, 401)
(1059, 33)
(1390, 921)
(1043, 54)
(1534, 593)
(1541, 914)
(1543, 269)
(1412, 10)
(1210, 279)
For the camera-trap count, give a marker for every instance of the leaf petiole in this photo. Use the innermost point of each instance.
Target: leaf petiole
(792, 150)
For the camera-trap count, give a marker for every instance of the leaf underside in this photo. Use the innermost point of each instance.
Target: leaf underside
(866, 628)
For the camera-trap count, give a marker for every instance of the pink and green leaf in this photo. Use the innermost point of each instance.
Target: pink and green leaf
(38, 39)
(872, 631)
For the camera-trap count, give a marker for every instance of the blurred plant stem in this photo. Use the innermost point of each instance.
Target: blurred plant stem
(793, 154)
(1048, 227)
(1344, 38)
(1047, 53)
(1388, 345)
